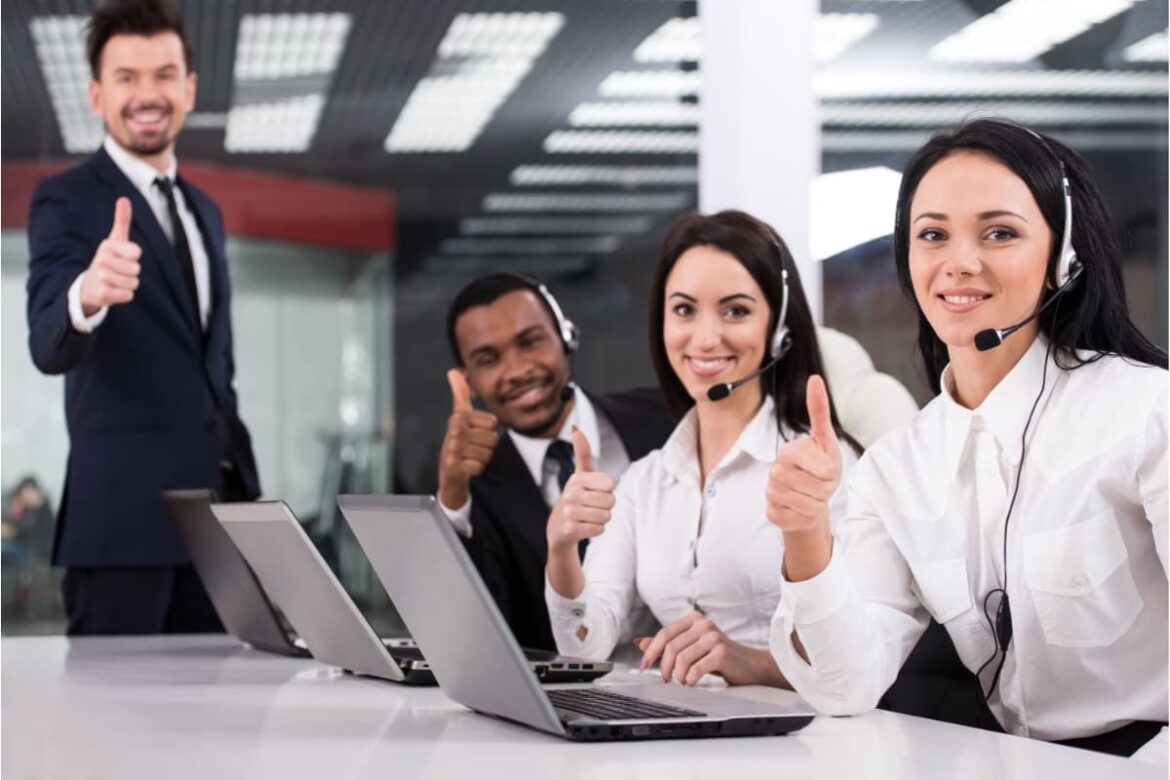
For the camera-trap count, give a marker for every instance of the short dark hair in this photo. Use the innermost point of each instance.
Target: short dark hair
(1093, 314)
(485, 290)
(133, 17)
(761, 251)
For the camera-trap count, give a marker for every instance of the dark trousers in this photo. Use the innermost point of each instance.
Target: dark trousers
(137, 600)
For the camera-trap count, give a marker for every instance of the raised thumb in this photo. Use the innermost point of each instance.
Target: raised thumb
(582, 453)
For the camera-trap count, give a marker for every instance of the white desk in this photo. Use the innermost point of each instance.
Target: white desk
(203, 707)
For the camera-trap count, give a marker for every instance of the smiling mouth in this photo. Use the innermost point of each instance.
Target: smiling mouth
(960, 300)
(147, 117)
(707, 367)
(527, 395)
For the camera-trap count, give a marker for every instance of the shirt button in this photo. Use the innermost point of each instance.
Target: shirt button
(578, 612)
(710, 491)
(1080, 581)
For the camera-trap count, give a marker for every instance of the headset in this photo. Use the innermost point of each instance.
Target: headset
(569, 333)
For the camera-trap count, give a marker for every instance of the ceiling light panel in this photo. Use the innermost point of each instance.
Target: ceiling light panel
(621, 175)
(834, 33)
(651, 84)
(854, 142)
(480, 62)
(658, 113)
(597, 245)
(1151, 49)
(290, 55)
(621, 142)
(677, 40)
(1021, 30)
(542, 266)
(600, 202)
(830, 85)
(937, 115)
(60, 45)
(516, 226)
(274, 46)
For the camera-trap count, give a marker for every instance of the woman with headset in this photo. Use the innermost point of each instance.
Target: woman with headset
(1025, 507)
(685, 531)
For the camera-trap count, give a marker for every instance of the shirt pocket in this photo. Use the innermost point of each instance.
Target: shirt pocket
(1081, 583)
(943, 588)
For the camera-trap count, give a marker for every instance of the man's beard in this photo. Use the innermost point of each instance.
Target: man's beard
(542, 427)
(152, 146)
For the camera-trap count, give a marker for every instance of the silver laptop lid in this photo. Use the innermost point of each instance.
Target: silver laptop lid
(440, 596)
(293, 571)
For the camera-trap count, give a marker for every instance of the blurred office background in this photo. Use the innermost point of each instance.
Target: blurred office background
(371, 157)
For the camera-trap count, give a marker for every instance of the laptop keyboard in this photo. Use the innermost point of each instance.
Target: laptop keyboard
(604, 704)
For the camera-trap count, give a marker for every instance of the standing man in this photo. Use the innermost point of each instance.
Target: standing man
(128, 296)
(512, 343)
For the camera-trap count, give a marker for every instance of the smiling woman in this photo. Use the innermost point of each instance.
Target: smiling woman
(686, 531)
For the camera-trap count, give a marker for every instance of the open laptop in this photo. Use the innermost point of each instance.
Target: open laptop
(336, 632)
(477, 662)
(240, 602)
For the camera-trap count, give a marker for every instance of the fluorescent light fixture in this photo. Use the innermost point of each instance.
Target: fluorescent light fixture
(677, 40)
(534, 266)
(281, 46)
(1021, 30)
(849, 208)
(481, 60)
(60, 46)
(622, 142)
(596, 245)
(651, 84)
(284, 64)
(834, 33)
(1151, 49)
(855, 85)
(516, 226)
(625, 176)
(855, 142)
(659, 113)
(1029, 113)
(283, 126)
(595, 202)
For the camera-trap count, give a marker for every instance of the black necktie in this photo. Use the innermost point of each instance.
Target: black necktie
(182, 248)
(562, 452)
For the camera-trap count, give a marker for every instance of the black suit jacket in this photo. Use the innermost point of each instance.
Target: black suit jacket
(509, 514)
(144, 390)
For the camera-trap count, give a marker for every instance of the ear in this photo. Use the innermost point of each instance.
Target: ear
(95, 97)
(192, 90)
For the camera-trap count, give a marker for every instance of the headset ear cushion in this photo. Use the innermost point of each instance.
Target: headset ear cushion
(781, 342)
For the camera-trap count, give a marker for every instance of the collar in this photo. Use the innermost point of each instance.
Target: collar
(759, 439)
(141, 174)
(532, 450)
(1005, 410)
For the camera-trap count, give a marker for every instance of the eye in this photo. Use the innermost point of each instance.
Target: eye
(932, 235)
(1002, 234)
(683, 309)
(484, 360)
(530, 341)
(737, 312)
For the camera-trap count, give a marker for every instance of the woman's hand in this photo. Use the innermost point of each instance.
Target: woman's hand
(800, 484)
(693, 646)
(585, 504)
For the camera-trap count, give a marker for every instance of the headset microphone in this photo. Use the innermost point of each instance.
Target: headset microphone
(993, 337)
(781, 343)
(567, 392)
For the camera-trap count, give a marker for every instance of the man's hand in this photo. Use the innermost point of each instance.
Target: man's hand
(112, 276)
(468, 446)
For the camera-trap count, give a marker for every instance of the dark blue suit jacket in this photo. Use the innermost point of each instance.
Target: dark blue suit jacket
(142, 390)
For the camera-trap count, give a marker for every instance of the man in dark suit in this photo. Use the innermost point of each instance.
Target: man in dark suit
(512, 344)
(128, 296)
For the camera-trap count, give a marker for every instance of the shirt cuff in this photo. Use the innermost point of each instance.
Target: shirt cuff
(81, 323)
(817, 598)
(460, 518)
(565, 614)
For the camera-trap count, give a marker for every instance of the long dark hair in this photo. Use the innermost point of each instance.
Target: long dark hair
(1092, 315)
(760, 250)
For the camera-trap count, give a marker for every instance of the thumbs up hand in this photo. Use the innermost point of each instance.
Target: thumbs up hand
(807, 471)
(467, 446)
(585, 504)
(112, 276)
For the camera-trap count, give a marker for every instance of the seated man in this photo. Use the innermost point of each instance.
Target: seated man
(512, 345)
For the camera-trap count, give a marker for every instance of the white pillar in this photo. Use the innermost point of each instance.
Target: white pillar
(759, 135)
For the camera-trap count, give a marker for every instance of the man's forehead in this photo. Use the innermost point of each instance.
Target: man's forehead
(143, 52)
(501, 320)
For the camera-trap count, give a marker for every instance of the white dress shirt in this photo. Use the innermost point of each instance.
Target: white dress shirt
(922, 535)
(142, 175)
(609, 455)
(676, 545)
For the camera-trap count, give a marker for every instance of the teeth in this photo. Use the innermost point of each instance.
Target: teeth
(964, 298)
(715, 363)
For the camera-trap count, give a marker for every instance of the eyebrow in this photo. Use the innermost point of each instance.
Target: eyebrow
(724, 299)
(983, 215)
(492, 349)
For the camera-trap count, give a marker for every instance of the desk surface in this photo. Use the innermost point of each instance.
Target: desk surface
(202, 706)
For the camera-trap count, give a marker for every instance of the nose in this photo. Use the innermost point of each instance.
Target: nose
(708, 333)
(963, 259)
(513, 365)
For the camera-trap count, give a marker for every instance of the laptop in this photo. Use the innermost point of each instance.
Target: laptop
(476, 660)
(240, 602)
(333, 628)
